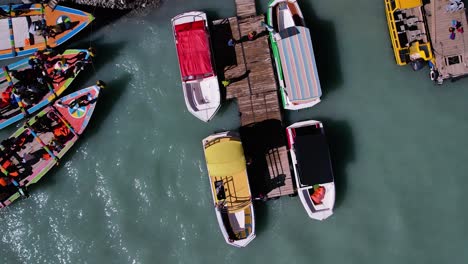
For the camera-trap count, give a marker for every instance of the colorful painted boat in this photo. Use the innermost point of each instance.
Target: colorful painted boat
(27, 28)
(23, 94)
(35, 148)
(313, 171)
(294, 55)
(230, 187)
(199, 81)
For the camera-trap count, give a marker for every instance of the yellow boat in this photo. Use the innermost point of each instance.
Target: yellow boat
(230, 187)
(408, 32)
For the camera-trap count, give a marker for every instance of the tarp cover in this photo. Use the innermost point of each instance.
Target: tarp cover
(225, 158)
(314, 166)
(193, 49)
(298, 63)
(225, 161)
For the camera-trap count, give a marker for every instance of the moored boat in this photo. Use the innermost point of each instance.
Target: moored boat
(27, 28)
(31, 83)
(199, 80)
(294, 55)
(35, 148)
(408, 32)
(230, 188)
(312, 168)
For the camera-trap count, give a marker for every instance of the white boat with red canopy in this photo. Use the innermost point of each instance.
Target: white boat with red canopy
(199, 81)
(312, 168)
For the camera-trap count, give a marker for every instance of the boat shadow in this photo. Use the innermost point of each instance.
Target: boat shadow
(107, 101)
(326, 52)
(224, 55)
(105, 52)
(102, 18)
(342, 151)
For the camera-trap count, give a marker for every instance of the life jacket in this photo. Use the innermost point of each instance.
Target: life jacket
(6, 165)
(3, 182)
(61, 131)
(5, 97)
(318, 195)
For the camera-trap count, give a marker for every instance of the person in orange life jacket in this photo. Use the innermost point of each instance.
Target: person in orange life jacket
(62, 133)
(10, 168)
(318, 195)
(5, 99)
(4, 181)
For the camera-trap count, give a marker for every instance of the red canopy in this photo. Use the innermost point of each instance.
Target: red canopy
(193, 50)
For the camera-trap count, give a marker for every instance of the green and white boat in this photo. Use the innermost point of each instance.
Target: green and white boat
(294, 55)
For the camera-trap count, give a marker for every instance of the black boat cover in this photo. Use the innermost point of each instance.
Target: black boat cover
(313, 156)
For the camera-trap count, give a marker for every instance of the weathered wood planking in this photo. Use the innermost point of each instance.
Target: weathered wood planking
(255, 85)
(439, 21)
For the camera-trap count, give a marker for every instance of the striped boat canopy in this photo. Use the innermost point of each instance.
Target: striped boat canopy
(298, 63)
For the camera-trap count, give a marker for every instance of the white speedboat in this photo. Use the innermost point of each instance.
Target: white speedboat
(312, 168)
(230, 187)
(199, 81)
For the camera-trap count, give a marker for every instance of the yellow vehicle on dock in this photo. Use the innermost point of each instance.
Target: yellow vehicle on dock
(408, 32)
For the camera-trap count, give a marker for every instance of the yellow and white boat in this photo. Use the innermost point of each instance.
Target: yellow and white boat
(230, 187)
(408, 32)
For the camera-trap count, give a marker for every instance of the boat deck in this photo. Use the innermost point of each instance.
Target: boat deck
(249, 68)
(450, 54)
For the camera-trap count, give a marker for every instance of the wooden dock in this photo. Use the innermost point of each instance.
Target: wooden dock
(450, 54)
(248, 67)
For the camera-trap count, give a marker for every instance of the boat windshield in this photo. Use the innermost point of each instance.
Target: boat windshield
(193, 49)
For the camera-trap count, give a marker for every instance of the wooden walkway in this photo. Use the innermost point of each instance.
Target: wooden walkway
(450, 54)
(249, 67)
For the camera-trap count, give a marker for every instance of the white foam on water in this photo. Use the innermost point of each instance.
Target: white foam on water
(141, 188)
(112, 212)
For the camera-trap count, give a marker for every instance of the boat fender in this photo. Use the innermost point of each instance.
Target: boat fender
(101, 84)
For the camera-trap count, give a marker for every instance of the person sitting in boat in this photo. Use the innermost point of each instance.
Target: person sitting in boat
(5, 99)
(62, 133)
(81, 101)
(318, 195)
(38, 28)
(61, 69)
(43, 124)
(11, 168)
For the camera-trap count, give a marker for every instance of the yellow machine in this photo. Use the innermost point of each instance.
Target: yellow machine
(407, 27)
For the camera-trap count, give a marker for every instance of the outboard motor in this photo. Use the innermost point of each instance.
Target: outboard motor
(417, 64)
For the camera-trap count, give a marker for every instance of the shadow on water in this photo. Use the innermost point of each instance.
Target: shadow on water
(258, 140)
(261, 216)
(324, 40)
(342, 152)
(102, 18)
(107, 101)
(225, 56)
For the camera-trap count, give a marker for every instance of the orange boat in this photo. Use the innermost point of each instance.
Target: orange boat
(27, 28)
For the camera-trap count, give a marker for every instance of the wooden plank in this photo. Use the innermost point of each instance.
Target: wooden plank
(256, 93)
(439, 21)
(245, 8)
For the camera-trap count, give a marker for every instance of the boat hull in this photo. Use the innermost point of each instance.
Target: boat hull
(35, 150)
(16, 27)
(226, 218)
(55, 86)
(323, 209)
(200, 86)
(303, 74)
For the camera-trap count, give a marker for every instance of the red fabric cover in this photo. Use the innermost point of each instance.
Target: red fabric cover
(193, 50)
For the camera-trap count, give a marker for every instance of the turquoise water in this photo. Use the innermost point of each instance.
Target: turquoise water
(135, 190)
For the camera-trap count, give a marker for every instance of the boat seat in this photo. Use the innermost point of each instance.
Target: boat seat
(412, 21)
(415, 34)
